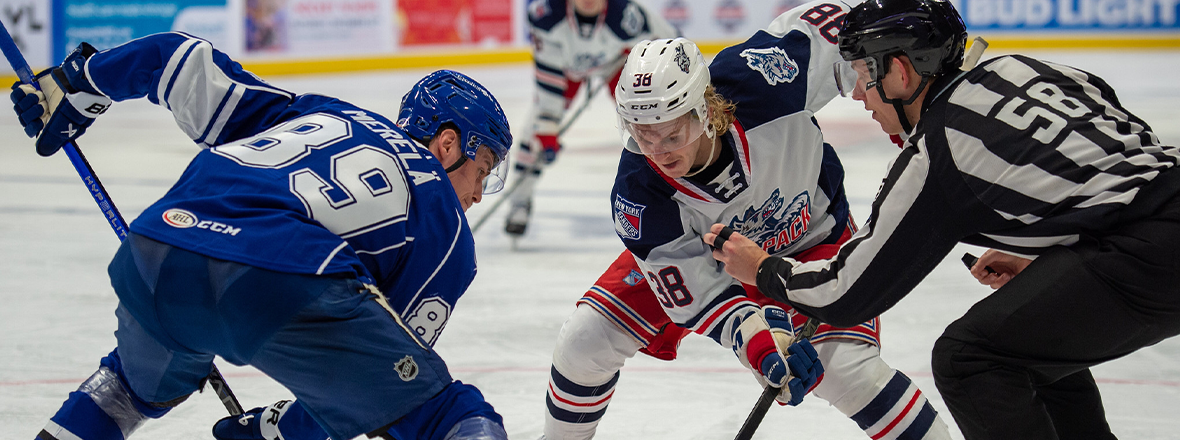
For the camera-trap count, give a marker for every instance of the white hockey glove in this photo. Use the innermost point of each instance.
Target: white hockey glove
(283, 420)
(40, 111)
(541, 150)
(763, 343)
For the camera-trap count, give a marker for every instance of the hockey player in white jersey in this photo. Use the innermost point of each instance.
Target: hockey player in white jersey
(1032, 158)
(735, 143)
(574, 42)
(295, 241)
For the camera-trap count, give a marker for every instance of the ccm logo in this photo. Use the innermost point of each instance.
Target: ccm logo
(179, 218)
(644, 106)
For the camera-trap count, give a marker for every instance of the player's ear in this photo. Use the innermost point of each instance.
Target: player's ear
(445, 146)
(902, 65)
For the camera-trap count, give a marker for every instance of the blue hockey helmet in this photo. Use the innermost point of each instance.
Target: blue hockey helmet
(450, 97)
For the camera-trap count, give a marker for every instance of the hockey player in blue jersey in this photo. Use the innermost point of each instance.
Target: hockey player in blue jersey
(322, 243)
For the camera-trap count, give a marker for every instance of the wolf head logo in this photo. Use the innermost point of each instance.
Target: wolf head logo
(773, 63)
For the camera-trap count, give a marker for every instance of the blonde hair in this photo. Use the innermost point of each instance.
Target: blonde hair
(720, 110)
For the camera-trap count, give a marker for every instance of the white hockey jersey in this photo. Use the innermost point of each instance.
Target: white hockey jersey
(564, 48)
(778, 184)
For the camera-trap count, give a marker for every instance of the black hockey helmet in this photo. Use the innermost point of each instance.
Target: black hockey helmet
(930, 32)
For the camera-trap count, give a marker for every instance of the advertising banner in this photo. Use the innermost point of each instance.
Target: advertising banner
(29, 22)
(735, 20)
(1054, 16)
(318, 28)
(432, 22)
(719, 20)
(105, 24)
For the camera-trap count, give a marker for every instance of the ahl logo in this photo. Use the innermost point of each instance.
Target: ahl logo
(628, 218)
(774, 64)
(773, 227)
(730, 15)
(407, 369)
(179, 218)
(677, 13)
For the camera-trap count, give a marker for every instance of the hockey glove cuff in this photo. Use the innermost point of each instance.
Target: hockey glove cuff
(284, 419)
(40, 111)
(763, 343)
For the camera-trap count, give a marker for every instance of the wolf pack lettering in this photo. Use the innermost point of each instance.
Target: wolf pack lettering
(773, 63)
(773, 226)
(628, 218)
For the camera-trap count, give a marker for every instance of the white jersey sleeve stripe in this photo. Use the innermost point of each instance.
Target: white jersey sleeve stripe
(174, 63)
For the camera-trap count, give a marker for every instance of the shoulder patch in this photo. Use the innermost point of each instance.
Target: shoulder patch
(633, 20)
(773, 63)
(538, 9)
(628, 218)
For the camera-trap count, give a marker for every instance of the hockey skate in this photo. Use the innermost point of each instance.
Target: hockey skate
(518, 220)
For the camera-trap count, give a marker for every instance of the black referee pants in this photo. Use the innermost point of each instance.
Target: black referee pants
(1016, 365)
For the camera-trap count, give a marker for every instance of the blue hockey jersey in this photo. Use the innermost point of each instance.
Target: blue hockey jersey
(302, 184)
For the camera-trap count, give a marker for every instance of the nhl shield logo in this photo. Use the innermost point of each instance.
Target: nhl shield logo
(407, 369)
(774, 64)
(628, 218)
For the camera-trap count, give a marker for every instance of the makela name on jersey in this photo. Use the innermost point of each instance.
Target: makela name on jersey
(179, 218)
(628, 218)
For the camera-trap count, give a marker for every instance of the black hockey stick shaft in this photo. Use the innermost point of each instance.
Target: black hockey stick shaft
(768, 394)
(507, 194)
(99, 193)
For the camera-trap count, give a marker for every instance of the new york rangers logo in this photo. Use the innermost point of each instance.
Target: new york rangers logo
(776, 224)
(633, 278)
(774, 64)
(628, 218)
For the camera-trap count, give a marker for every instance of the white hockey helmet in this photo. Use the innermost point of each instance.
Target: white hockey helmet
(660, 98)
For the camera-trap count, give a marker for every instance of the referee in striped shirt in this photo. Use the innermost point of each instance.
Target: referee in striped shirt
(1036, 160)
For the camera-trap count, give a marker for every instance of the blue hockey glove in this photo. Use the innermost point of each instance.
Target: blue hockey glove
(764, 343)
(284, 419)
(40, 111)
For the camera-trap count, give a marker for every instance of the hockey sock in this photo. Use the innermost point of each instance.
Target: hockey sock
(574, 410)
(900, 411)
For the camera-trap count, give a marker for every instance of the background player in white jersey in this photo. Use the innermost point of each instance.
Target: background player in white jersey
(574, 41)
(1030, 157)
(733, 142)
(295, 242)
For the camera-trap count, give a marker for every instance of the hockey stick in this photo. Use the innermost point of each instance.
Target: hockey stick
(99, 193)
(768, 395)
(507, 194)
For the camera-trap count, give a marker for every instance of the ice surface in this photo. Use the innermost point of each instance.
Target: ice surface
(56, 320)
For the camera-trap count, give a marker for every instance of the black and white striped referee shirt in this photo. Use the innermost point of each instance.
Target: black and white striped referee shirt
(1017, 154)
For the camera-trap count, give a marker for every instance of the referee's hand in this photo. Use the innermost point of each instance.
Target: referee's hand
(740, 255)
(1003, 268)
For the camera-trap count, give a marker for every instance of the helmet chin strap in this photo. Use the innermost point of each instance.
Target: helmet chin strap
(899, 104)
(457, 164)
